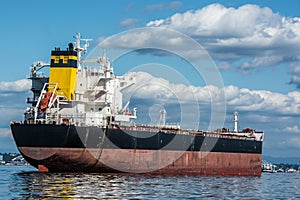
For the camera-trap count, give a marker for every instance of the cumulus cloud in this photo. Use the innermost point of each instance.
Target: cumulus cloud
(261, 62)
(292, 129)
(230, 26)
(149, 87)
(242, 99)
(246, 31)
(15, 86)
(262, 100)
(156, 41)
(250, 35)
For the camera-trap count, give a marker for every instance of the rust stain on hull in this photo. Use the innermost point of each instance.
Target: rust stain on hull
(144, 161)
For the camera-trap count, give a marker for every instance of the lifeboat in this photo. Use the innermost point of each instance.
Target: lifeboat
(45, 101)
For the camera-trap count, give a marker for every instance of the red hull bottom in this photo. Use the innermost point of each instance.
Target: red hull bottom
(143, 161)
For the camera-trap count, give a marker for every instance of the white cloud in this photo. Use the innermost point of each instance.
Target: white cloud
(156, 41)
(230, 24)
(292, 129)
(237, 98)
(252, 33)
(246, 31)
(245, 21)
(262, 100)
(149, 87)
(15, 86)
(261, 62)
(246, 98)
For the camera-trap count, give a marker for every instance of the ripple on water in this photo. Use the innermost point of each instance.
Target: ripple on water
(26, 183)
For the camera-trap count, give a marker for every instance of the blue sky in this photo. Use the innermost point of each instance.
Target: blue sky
(255, 47)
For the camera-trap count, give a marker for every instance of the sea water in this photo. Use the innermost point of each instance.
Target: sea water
(24, 182)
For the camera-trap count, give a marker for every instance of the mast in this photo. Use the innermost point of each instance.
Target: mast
(79, 49)
(235, 120)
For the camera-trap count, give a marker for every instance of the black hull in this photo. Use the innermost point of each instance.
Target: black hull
(70, 148)
(62, 136)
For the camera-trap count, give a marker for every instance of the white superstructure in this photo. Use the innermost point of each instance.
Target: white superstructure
(97, 101)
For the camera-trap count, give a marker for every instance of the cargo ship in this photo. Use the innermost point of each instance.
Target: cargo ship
(76, 122)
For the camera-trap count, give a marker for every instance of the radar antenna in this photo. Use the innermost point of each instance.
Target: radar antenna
(79, 49)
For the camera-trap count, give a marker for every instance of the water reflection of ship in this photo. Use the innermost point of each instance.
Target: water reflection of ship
(33, 185)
